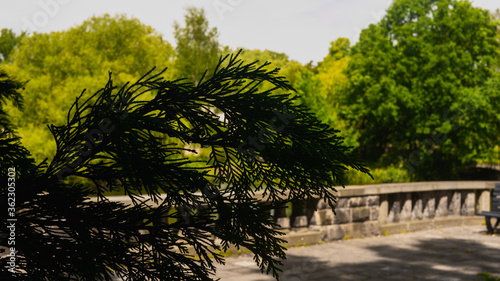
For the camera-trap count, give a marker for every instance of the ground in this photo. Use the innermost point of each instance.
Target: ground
(455, 253)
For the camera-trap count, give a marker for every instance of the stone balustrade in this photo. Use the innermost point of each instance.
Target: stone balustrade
(384, 209)
(390, 208)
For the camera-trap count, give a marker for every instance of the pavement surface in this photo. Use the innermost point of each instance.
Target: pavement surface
(455, 253)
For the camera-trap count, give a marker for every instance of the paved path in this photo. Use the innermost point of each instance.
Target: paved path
(456, 253)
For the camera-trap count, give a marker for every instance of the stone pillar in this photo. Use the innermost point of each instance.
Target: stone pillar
(442, 206)
(405, 214)
(373, 202)
(429, 202)
(417, 212)
(315, 219)
(396, 202)
(299, 217)
(454, 206)
(483, 200)
(281, 217)
(468, 199)
(384, 208)
(300, 221)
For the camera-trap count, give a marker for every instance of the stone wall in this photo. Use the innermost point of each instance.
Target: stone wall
(352, 215)
(382, 209)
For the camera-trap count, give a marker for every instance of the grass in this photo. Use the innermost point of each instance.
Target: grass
(488, 277)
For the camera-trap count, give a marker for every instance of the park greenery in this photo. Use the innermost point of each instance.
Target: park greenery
(84, 113)
(423, 88)
(131, 138)
(415, 97)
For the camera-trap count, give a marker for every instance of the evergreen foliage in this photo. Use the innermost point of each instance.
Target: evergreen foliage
(116, 138)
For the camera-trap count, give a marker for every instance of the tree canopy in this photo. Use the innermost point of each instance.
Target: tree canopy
(416, 84)
(320, 88)
(197, 46)
(391, 95)
(60, 65)
(8, 42)
(9, 91)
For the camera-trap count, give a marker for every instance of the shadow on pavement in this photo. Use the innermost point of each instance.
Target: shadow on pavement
(426, 259)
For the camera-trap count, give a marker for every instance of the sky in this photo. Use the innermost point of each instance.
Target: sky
(303, 29)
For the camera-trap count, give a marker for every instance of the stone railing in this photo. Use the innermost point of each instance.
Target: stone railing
(383, 209)
(390, 208)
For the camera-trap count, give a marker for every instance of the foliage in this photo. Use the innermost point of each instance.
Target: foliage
(496, 16)
(8, 42)
(287, 67)
(9, 91)
(488, 277)
(331, 69)
(60, 65)
(391, 174)
(197, 46)
(116, 138)
(309, 88)
(320, 88)
(416, 87)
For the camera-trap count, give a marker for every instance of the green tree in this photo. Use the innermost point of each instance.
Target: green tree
(12, 153)
(339, 49)
(320, 88)
(61, 64)
(9, 91)
(287, 68)
(331, 72)
(331, 69)
(115, 139)
(197, 46)
(309, 93)
(496, 16)
(8, 41)
(410, 77)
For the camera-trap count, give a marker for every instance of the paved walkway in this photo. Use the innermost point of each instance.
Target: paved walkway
(456, 253)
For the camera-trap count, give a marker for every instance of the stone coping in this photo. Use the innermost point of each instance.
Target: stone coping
(391, 188)
(377, 189)
(388, 188)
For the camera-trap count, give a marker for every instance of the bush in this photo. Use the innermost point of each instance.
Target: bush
(391, 174)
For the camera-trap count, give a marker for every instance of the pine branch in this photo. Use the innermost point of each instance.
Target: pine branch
(121, 138)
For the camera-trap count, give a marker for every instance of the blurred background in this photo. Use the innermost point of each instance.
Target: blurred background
(413, 86)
